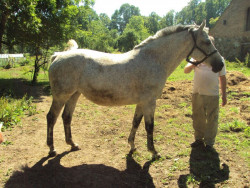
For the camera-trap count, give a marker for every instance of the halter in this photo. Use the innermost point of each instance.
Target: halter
(196, 46)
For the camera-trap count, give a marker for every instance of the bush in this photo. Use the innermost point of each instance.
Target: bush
(24, 62)
(11, 110)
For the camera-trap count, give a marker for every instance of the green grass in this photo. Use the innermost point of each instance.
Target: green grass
(238, 66)
(179, 74)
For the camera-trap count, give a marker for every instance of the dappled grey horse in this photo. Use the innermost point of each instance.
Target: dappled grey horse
(136, 77)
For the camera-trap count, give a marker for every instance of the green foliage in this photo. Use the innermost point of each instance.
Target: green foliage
(247, 61)
(239, 66)
(121, 17)
(133, 34)
(247, 132)
(128, 40)
(37, 25)
(237, 126)
(153, 23)
(234, 126)
(168, 20)
(197, 10)
(12, 109)
(213, 21)
(42, 27)
(6, 143)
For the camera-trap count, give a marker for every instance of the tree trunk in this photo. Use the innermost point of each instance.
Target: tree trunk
(36, 70)
(2, 28)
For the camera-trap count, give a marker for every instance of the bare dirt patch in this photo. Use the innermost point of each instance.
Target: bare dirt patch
(103, 160)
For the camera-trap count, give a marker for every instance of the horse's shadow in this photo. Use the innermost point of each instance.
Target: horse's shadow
(205, 169)
(53, 174)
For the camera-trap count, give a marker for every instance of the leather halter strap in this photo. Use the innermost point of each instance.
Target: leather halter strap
(188, 59)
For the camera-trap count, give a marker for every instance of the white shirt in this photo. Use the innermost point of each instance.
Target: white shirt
(206, 82)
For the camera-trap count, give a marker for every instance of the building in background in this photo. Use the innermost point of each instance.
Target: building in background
(232, 30)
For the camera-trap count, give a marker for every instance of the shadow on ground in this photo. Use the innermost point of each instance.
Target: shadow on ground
(53, 174)
(18, 88)
(205, 169)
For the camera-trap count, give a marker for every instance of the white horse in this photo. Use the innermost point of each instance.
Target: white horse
(136, 77)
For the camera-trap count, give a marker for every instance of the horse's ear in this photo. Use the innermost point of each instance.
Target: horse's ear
(203, 24)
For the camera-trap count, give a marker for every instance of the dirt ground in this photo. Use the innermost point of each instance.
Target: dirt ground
(104, 159)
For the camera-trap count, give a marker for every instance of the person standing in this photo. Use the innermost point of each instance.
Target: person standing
(205, 102)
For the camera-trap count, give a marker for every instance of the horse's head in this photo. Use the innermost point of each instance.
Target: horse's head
(204, 49)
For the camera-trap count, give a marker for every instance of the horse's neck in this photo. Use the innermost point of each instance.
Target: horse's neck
(170, 50)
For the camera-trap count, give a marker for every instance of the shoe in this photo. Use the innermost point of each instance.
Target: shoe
(197, 143)
(209, 148)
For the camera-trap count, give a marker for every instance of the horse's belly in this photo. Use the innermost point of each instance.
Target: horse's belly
(109, 98)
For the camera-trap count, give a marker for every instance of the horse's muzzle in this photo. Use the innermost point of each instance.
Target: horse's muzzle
(217, 67)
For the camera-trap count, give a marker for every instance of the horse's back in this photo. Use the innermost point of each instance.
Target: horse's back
(99, 76)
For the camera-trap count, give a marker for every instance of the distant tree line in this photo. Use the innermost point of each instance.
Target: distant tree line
(41, 27)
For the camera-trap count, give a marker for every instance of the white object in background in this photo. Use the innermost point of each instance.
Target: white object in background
(1, 135)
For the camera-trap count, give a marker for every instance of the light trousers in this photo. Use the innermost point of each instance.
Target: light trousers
(205, 117)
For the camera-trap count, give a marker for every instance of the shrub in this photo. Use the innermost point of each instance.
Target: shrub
(11, 110)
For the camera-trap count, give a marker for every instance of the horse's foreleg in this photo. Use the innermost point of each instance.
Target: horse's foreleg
(148, 112)
(51, 120)
(67, 117)
(136, 122)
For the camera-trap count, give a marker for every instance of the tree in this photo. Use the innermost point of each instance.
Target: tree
(200, 13)
(196, 11)
(168, 20)
(40, 24)
(105, 20)
(133, 34)
(215, 8)
(153, 23)
(211, 9)
(100, 38)
(121, 17)
(128, 40)
(188, 13)
(20, 14)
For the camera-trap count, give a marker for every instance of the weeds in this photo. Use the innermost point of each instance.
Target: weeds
(6, 143)
(11, 110)
(234, 126)
(247, 132)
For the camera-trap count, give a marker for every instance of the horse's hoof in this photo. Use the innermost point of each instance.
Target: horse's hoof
(52, 153)
(132, 151)
(75, 148)
(156, 156)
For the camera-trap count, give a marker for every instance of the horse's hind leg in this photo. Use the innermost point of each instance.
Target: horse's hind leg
(51, 120)
(136, 122)
(67, 117)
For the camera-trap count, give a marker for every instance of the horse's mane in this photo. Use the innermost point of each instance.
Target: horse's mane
(164, 32)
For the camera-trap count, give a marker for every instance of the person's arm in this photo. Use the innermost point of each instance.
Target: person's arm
(223, 86)
(189, 67)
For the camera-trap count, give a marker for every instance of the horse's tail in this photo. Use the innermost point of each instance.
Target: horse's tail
(71, 45)
(52, 58)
